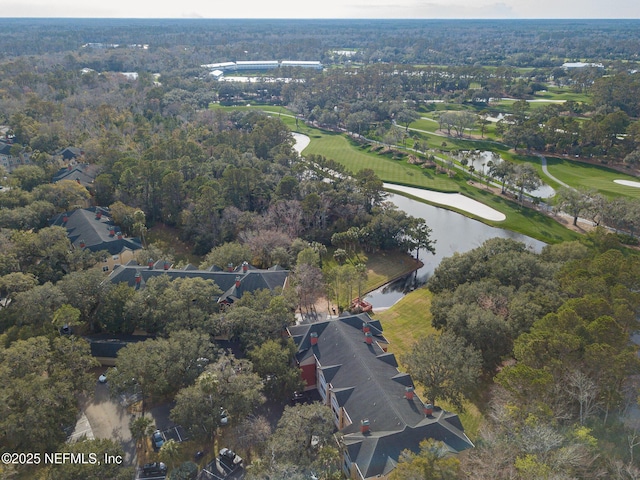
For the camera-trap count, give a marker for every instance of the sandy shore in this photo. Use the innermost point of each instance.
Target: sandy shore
(455, 200)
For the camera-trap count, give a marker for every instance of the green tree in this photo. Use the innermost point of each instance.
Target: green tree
(170, 452)
(66, 316)
(111, 311)
(501, 170)
(575, 203)
(447, 367)
(161, 366)
(29, 177)
(231, 253)
(273, 362)
(526, 179)
(16, 282)
(95, 467)
(39, 395)
(228, 384)
(419, 237)
(432, 462)
(302, 431)
(141, 427)
(186, 471)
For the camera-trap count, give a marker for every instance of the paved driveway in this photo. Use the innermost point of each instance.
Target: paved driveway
(110, 420)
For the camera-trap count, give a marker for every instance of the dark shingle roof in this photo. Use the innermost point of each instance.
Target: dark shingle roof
(5, 148)
(84, 225)
(250, 281)
(367, 384)
(83, 173)
(373, 452)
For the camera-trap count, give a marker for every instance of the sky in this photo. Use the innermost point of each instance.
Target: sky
(322, 9)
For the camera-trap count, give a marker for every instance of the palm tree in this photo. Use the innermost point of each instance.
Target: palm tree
(141, 427)
(170, 452)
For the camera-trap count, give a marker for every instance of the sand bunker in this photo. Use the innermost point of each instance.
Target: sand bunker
(302, 141)
(627, 183)
(454, 200)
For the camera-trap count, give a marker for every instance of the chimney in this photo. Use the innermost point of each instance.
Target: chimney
(138, 278)
(65, 218)
(368, 338)
(428, 409)
(245, 267)
(230, 267)
(166, 265)
(150, 264)
(364, 426)
(69, 167)
(82, 244)
(112, 232)
(314, 338)
(119, 235)
(408, 393)
(365, 327)
(237, 282)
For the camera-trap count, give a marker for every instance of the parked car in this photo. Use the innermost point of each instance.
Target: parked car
(224, 417)
(299, 397)
(157, 439)
(229, 458)
(103, 377)
(155, 468)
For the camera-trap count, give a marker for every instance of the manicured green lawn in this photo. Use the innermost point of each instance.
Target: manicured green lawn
(355, 157)
(382, 267)
(561, 93)
(588, 176)
(407, 321)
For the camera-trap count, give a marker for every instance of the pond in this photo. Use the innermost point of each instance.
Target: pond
(480, 161)
(452, 232)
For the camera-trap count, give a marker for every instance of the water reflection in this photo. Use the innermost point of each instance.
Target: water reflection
(480, 160)
(453, 233)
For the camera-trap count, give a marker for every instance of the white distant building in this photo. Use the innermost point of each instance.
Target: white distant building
(257, 65)
(581, 65)
(220, 66)
(302, 64)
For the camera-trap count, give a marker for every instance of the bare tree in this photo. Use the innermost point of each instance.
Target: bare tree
(584, 390)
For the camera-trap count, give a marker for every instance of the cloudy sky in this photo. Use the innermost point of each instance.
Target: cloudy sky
(322, 9)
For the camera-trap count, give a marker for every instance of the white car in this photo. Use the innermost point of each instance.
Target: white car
(103, 378)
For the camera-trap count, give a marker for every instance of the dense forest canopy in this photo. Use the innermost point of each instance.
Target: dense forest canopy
(534, 43)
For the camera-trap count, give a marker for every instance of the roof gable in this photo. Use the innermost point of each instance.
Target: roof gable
(250, 281)
(93, 229)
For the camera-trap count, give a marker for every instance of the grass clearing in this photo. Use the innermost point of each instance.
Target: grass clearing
(407, 321)
(382, 267)
(589, 176)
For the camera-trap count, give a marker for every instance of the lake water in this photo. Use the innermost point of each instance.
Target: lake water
(453, 232)
(479, 160)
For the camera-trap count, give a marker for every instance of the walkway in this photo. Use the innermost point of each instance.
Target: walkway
(543, 160)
